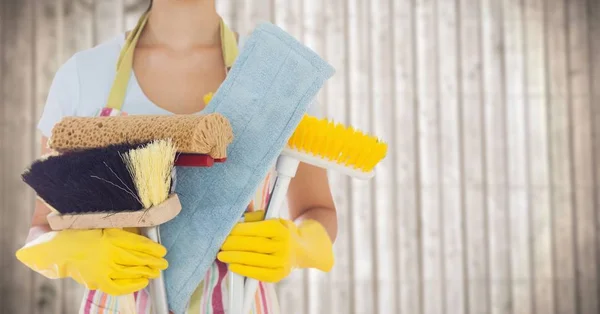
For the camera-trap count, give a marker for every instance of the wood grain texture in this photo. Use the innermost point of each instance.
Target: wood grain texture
(410, 294)
(383, 206)
(487, 200)
(17, 87)
(4, 214)
(452, 215)
(593, 9)
(538, 161)
(359, 76)
(517, 177)
(561, 176)
(582, 156)
(495, 117)
(473, 151)
(428, 109)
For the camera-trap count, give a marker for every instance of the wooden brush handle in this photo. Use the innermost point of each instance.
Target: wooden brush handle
(197, 134)
(151, 217)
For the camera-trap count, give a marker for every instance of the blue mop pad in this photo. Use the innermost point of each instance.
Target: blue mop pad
(264, 97)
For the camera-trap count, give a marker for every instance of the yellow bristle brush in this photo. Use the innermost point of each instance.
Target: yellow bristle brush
(325, 144)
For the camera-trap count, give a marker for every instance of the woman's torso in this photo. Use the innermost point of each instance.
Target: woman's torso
(96, 70)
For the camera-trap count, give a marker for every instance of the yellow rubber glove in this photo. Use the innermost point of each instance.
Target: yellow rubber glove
(114, 261)
(269, 250)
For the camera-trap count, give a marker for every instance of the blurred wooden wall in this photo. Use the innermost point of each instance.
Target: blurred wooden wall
(488, 200)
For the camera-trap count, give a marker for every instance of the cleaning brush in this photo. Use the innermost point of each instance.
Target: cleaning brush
(119, 186)
(96, 188)
(327, 145)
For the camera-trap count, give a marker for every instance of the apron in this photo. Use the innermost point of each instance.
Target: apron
(211, 296)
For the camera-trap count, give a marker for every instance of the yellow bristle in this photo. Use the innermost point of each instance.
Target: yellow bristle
(334, 142)
(151, 168)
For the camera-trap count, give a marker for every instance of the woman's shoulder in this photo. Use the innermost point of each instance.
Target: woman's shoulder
(87, 75)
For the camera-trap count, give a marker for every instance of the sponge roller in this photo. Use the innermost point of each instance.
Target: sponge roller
(192, 134)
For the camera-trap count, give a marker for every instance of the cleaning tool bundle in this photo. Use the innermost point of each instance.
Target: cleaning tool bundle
(106, 187)
(324, 144)
(264, 97)
(118, 186)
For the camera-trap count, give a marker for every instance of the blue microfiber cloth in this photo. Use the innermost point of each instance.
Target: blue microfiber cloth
(265, 96)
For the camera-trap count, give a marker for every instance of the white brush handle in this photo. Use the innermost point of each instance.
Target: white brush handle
(158, 291)
(286, 170)
(236, 292)
(321, 162)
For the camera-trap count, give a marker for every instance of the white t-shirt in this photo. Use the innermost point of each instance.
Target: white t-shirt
(81, 87)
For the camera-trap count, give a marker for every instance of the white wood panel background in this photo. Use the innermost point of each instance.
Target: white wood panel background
(488, 201)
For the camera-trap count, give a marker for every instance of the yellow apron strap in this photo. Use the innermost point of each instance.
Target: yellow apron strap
(116, 97)
(118, 91)
(229, 45)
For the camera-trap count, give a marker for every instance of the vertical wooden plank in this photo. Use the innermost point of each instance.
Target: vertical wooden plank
(473, 152)
(594, 63)
(319, 286)
(77, 34)
(360, 75)
(560, 157)
(4, 213)
(582, 156)
(17, 88)
(429, 156)
(451, 157)
(496, 164)
(292, 292)
(406, 149)
(382, 120)
(516, 134)
(47, 292)
(337, 91)
(108, 19)
(538, 159)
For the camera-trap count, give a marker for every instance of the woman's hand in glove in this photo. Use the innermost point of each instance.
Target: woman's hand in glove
(269, 250)
(114, 261)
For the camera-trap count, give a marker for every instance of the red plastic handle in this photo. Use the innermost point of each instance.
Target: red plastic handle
(196, 160)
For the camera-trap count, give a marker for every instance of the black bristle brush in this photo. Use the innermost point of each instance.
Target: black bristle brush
(85, 181)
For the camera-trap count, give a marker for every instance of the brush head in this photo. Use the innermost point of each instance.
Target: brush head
(91, 180)
(328, 143)
(151, 168)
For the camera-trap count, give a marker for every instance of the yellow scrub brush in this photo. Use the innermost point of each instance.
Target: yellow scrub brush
(327, 145)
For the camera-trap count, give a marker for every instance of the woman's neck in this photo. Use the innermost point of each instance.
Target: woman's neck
(182, 24)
